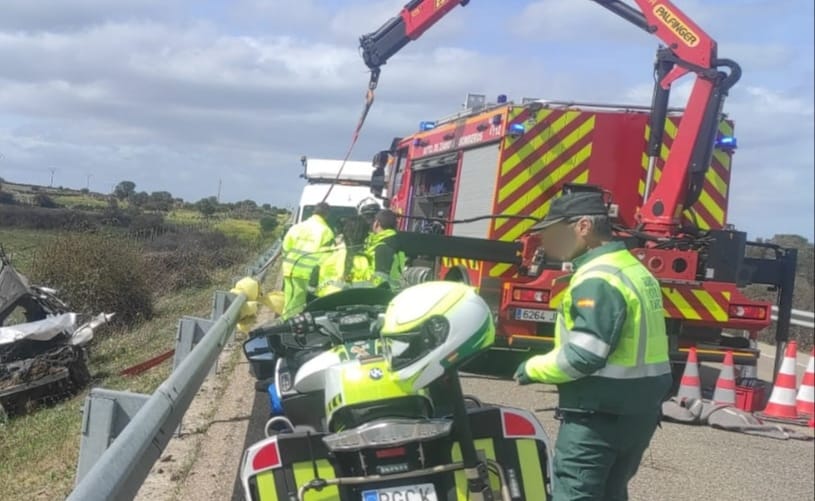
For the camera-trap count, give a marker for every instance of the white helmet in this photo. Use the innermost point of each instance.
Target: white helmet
(433, 326)
(369, 206)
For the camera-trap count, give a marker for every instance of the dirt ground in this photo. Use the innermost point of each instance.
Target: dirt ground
(202, 461)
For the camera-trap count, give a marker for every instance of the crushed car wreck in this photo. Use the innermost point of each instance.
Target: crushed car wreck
(43, 347)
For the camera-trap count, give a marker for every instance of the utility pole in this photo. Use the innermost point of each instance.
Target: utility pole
(218, 198)
(88, 182)
(53, 170)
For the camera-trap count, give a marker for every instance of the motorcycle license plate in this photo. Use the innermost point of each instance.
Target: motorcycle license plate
(535, 315)
(420, 492)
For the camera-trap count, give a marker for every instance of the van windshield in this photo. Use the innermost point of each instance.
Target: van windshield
(336, 215)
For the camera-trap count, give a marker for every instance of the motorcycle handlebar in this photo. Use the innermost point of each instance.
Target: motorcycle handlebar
(299, 324)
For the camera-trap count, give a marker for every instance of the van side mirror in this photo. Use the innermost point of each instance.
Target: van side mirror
(378, 182)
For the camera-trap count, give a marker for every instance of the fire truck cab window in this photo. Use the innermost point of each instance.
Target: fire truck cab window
(398, 173)
(432, 192)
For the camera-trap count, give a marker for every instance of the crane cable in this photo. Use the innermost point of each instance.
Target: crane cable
(369, 101)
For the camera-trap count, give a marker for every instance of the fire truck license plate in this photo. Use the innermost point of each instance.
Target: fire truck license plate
(420, 492)
(535, 315)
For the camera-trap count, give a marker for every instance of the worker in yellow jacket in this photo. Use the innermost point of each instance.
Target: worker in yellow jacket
(347, 266)
(306, 246)
(381, 248)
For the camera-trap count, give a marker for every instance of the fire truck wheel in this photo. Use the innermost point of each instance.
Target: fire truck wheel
(458, 274)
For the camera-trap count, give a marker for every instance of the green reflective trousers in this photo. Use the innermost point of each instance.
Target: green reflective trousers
(295, 295)
(596, 455)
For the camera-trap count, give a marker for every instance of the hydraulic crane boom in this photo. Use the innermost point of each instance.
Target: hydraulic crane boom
(414, 19)
(688, 50)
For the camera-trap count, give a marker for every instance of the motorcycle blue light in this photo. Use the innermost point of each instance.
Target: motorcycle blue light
(727, 143)
(274, 400)
(426, 125)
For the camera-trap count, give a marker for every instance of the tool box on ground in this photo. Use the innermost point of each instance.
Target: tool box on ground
(751, 394)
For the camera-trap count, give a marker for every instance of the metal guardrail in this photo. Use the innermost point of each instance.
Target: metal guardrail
(123, 433)
(261, 266)
(800, 318)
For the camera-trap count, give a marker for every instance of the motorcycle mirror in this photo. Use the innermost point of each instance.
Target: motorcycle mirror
(261, 358)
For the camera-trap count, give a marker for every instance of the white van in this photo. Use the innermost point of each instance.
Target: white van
(352, 187)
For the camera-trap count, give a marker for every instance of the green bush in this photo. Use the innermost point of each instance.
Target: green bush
(268, 224)
(44, 201)
(181, 260)
(96, 273)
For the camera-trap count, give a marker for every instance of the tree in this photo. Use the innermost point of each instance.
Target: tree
(161, 201)
(207, 206)
(266, 207)
(268, 224)
(124, 190)
(139, 199)
(7, 198)
(43, 200)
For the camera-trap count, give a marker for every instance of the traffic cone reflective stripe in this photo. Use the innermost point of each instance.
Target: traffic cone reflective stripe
(805, 401)
(689, 386)
(725, 392)
(782, 399)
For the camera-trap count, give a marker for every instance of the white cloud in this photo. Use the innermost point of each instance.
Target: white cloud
(40, 15)
(176, 104)
(573, 21)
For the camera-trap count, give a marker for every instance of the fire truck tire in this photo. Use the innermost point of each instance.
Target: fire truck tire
(414, 275)
(457, 274)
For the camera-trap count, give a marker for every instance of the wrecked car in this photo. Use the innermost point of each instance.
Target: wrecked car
(43, 345)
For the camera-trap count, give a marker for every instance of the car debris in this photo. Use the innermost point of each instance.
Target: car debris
(43, 345)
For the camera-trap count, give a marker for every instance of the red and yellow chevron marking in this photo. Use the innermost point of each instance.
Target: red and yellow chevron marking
(710, 211)
(470, 264)
(696, 304)
(554, 151)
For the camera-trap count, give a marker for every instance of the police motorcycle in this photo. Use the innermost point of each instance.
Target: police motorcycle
(392, 422)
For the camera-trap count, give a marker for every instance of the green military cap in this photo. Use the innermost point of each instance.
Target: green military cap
(571, 205)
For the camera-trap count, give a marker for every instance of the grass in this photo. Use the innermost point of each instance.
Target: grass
(39, 451)
(20, 245)
(248, 232)
(185, 216)
(79, 200)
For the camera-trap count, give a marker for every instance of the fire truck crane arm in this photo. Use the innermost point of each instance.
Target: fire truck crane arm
(688, 49)
(414, 19)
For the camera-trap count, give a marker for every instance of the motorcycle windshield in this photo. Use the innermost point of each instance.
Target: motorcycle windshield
(355, 296)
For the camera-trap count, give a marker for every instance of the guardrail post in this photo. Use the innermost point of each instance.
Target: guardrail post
(220, 303)
(190, 332)
(105, 415)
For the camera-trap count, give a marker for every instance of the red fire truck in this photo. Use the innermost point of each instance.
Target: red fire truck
(469, 187)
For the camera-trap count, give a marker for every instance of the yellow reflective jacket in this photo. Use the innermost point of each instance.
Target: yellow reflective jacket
(305, 246)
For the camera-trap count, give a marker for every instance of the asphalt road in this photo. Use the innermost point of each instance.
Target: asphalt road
(684, 462)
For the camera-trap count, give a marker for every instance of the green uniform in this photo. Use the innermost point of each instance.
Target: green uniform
(335, 274)
(388, 264)
(306, 246)
(610, 363)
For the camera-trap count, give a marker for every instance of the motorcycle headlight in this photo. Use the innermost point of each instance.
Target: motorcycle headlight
(406, 348)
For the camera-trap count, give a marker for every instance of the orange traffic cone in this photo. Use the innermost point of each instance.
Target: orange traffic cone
(689, 386)
(805, 401)
(725, 392)
(782, 399)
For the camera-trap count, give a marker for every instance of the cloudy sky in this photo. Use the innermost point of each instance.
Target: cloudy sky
(175, 94)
